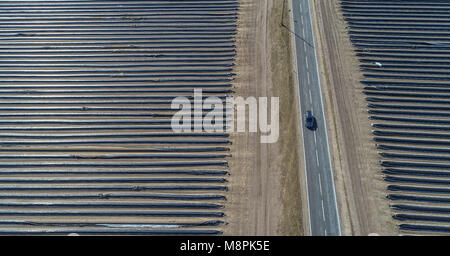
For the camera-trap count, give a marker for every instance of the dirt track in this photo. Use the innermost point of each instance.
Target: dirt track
(264, 196)
(360, 187)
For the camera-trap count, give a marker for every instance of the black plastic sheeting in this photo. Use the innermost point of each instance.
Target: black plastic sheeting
(408, 113)
(196, 197)
(422, 181)
(167, 172)
(109, 180)
(441, 200)
(412, 142)
(416, 165)
(407, 95)
(129, 188)
(406, 84)
(403, 47)
(412, 172)
(134, 213)
(411, 3)
(412, 134)
(411, 127)
(411, 120)
(415, 157)
(118, 232)
(113, 224)
(422, 218)
(416, 189)
(103, 228)
(402, 89)
(85, 112)
(424, 228)
(414, 149)
(409, 107)
(416, 208)
(112, 205)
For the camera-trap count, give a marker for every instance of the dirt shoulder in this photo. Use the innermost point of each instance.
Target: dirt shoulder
(359, 184)
(264, 197)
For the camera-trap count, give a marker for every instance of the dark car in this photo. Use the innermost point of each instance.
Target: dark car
(311, 122)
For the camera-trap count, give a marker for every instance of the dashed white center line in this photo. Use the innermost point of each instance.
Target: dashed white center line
(317, 158)
(321, 198)
(323, 213)
(310, 96)
(320, 185)
(307, 63)
(309, 80)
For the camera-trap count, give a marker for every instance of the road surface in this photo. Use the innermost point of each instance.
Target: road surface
(324, 216)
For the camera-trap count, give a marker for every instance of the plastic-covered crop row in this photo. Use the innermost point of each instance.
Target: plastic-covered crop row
(363, 3)
(398, 28)
(397, 197)
(405, 100)
(112, 172)
(421, 165)
(388, 19)
(424, 218)
(407, 84)
(406, 89)
(196, 197)
(128, 188)
(413, 149)
(411, 172)
(420, 181)
(407, 95)
(411, 141)
(417, 189)
(411, 134)
(410, 107)
(119, 232)
(424, 228)
(407, 113)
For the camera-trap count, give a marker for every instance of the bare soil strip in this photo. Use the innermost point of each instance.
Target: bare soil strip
(264, 196)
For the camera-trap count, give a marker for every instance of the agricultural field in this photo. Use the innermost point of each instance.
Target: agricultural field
(87, 145)
(403, 50)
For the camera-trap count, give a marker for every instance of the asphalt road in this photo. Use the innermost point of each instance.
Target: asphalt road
(324, 217)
